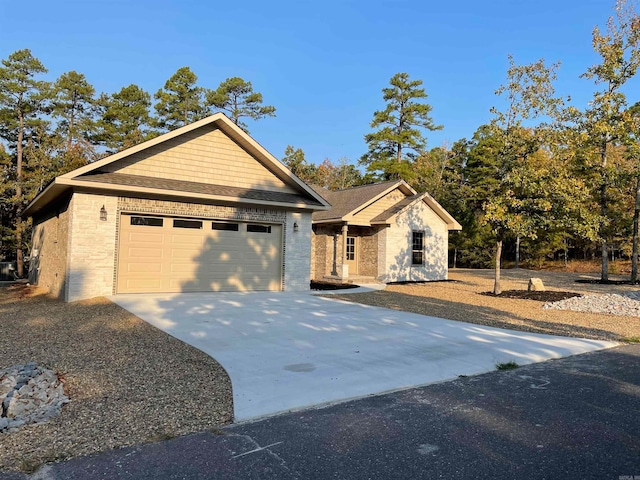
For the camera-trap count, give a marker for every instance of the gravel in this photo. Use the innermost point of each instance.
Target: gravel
(127, 381)
(463, 298)
(613, 304)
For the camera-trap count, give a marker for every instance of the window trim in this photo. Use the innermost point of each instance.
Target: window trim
(188, 224)
(415, 251)
(258, 228)
(145, 218)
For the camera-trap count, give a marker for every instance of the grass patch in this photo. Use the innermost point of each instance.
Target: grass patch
(635, 339)
(507, 365)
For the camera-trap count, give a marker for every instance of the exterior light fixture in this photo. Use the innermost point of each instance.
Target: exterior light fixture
(103, 214)
(295, 226)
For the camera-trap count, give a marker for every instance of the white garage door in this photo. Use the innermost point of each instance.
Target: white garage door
(163, 254)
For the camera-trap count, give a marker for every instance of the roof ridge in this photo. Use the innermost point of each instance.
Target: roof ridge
(367, 185)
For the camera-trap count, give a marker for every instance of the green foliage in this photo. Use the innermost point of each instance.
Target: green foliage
(398, 139)
(180, 102)
(72, 102)
(607, 119)
(511, 365)
(295, 161)
(125, 118)
(236, 97)
(338, 176)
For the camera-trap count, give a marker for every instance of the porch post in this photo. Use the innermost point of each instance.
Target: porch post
(344, 272)
(334, 272)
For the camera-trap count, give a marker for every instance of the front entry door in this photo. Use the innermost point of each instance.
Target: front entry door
(352, 255)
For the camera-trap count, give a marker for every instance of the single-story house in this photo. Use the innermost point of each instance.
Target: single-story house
(201, 208)
(386, 231)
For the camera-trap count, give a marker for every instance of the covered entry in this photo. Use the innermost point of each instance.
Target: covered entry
(167, 254)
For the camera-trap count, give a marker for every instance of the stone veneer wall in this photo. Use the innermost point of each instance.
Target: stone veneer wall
(50, 244)
(297, 252)
(92, 246)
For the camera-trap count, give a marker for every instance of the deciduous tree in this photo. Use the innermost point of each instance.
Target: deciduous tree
(606, 120)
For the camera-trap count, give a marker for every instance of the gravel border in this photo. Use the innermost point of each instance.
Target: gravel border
(462, 300)
(128, 382)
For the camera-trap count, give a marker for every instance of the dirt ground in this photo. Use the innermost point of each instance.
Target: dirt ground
(461, 299)
(128, 382)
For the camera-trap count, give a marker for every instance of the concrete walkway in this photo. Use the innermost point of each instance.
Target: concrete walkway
(287, 351)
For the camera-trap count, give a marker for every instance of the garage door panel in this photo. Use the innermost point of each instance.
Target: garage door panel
(145, 252)
(173, 259)
(145, 238)
(144, 267)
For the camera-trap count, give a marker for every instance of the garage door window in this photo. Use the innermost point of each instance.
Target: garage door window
(187, 224)
(230, 227)
(147, 221)
(259, 228)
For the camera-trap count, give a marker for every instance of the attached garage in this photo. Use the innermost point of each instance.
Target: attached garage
(165, 254)
(203, 208)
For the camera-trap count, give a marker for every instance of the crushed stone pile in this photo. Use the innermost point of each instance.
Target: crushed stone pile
(29, 394)
(627, 304)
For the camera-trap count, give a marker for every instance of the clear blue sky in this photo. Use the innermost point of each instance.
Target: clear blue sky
(322, 64)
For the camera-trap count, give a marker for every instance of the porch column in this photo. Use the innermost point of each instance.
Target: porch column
(344, 269)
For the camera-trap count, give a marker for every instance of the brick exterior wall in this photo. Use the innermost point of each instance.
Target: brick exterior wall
(78, 252)
(50, 244)
(323, 247)
(92, 246)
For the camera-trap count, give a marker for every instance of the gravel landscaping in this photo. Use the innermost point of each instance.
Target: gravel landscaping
(465, 298)
(128, 382)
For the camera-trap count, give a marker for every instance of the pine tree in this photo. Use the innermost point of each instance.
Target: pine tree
(236, 97)
(398, 139)
(180, 102)
(21, 99)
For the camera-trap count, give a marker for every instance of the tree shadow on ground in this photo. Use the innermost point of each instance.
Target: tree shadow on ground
(476, 314)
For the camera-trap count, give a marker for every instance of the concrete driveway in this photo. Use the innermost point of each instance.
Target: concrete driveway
(287, 351)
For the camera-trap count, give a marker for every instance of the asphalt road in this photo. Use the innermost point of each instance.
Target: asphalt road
(573, 418)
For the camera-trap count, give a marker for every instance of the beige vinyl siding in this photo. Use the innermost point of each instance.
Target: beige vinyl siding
(172, 259)
(205, 155)
(365, 215)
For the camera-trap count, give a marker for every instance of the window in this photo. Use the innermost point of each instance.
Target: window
(187, 224)
(351, 248)
(417, 248)
(231, 227)
(259, 228)
(147, 221)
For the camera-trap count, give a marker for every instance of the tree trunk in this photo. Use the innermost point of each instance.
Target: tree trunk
(634, 251)
(19, 260)
(604, 273)
(497, 289)
(517, 265)
(455, 257)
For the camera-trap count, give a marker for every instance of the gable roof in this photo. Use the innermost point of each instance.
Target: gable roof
(390, 214)
(91, 178)
(347, 202)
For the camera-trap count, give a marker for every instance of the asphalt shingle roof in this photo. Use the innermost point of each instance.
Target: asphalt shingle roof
(345, 201)
(195, 187)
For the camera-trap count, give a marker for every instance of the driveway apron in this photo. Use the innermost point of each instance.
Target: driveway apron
(286, 351)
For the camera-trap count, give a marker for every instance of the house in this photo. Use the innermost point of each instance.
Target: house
(201, 208)
(386, 231)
